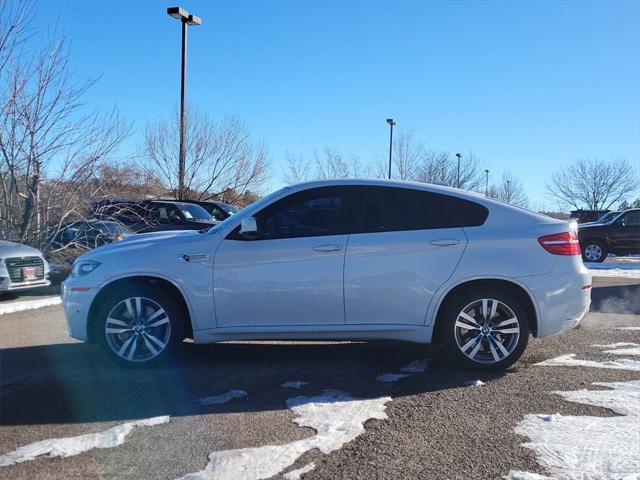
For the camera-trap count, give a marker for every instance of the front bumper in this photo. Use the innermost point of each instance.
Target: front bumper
(7, 286)
(76, 304)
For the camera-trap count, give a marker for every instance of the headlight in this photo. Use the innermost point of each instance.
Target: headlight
(83, 268)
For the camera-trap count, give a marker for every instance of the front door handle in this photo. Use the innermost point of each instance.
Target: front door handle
(444, 242)
(328, 247)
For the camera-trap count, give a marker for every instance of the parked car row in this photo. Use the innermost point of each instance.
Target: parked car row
(21, 267)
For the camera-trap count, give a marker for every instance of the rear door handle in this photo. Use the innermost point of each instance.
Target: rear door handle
(444, 242)
(329, 247)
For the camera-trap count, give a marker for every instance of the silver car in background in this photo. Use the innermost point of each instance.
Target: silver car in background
(21, 267)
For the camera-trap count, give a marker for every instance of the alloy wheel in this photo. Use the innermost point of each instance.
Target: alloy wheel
(137, 329)
(487, 331)
(593, 252)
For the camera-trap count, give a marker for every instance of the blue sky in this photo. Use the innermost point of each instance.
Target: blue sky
(527, 86)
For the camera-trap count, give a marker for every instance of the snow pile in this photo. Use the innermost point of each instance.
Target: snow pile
(474, 383)
(617, 269)
(621, 348)
(223, 397)
(391, 377)
(337, 418)
(297, 474)
(584, 447)
(569, 360)
(627, 328)
(295, 384)
(13, 307)
(417, 366)
(70, 446)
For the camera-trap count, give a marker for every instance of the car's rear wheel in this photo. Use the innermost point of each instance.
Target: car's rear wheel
(594, 251)
(140, 326)
(484, 329)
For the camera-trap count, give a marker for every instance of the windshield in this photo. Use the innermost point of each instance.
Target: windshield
(229, 209)
(606, 217)
(194, 212)
(112, 228)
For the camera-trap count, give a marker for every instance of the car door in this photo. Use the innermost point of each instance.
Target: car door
(411, 243)
(627, 231)
(292, 274)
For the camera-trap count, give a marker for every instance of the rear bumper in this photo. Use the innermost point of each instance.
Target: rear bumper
(563, 296)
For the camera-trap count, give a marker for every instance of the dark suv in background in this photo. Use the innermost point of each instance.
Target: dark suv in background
(219, 210)
(620, 236)
(153, 215)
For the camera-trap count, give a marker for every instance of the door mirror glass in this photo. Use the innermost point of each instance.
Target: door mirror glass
(249, 228)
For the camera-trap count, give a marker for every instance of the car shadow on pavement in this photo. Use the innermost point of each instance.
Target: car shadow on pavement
(76, 383)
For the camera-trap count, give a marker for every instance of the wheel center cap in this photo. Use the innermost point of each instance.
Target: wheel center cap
(485, 330)
(139, 328)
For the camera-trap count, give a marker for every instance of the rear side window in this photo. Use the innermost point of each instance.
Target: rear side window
(392, 209)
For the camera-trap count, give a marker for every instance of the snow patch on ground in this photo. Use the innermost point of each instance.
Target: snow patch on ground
(417, 366)
(633, 348)
(618, 269)
(584, 447)
(13, 307)
(297, 474)
(296, 384)
(569, 360)
(337, 418)
(391, 377)
(514, 475)
(616, 345)
(70, 446)
(474, 383)
(223, 397)
(627, 328)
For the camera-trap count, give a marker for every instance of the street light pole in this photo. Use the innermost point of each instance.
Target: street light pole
(391, 123)
(185, 19)
(459, 155)
(486, 184)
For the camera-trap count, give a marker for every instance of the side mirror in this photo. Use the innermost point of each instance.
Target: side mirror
(249, 228)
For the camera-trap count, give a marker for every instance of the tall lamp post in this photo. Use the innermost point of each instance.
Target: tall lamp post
(185, 19)
(486, 184)
(391, 123)
(459, 155)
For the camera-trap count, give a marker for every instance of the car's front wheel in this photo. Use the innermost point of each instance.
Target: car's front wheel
(140, 326)
(594, 251)
(484, 329)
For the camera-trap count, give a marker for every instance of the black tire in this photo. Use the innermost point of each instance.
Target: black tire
(171, 332)
(594, 251)
(453, 339)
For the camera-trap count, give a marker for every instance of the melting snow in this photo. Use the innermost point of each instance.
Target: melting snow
(617, 269)
(569, 361)
(223, 397)
(634, 348)
(417, 366)
(296, 384)
(474, 383)
(13, 307)
(297, 474)
(617, 345)
(627, 328)
(391, 377)
(337, 418)
(70, 446)
(584, 447)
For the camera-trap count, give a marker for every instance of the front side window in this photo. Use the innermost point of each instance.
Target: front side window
(392, 209)
(631, 219)
(311, 213)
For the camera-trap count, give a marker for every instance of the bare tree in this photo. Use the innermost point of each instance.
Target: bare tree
(442, 169)
(593, 183)
(220, 156)
(329, 164)
(50, 144)
(509, 190)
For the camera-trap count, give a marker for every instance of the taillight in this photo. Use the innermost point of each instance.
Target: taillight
(565, 243)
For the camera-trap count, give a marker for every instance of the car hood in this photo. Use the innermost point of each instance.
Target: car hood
(144, 241)
(11, 249)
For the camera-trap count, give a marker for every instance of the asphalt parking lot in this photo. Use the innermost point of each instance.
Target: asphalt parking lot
(437, 425)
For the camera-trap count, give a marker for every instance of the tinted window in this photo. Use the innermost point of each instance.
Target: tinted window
(631, 219)
(389, 209)
(312, 213)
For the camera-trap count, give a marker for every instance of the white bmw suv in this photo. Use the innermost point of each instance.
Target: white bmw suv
(343, 259)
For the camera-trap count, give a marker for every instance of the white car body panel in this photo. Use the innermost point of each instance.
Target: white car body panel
(237, 290)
